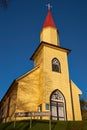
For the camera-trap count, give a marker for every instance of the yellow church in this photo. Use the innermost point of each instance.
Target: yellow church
(46, 91)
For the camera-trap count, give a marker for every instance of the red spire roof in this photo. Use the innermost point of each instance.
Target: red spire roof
(49, 20)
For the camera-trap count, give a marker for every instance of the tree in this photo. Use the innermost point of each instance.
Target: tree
(4, 3)
(83, 104)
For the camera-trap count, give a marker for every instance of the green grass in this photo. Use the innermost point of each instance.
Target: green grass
(44, 125)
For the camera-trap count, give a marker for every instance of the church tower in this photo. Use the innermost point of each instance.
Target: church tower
(56, 88)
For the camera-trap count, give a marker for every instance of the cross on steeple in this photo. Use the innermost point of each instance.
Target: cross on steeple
(49, 6)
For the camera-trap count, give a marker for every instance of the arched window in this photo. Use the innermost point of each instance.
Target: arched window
(56, 65)
(57, 106)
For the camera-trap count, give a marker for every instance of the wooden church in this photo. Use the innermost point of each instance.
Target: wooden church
(46, 91)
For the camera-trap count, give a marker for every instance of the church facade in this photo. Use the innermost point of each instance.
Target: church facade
(47, 88)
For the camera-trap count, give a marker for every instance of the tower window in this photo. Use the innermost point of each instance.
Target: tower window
(55, 65)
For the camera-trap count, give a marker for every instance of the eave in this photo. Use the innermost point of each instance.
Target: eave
(51, 46)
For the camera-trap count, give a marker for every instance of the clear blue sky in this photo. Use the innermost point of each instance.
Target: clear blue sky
(20, 27)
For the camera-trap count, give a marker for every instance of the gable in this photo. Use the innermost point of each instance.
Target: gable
(28, 74)
(75, 88)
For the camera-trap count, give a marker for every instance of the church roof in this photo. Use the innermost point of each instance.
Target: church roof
(49, 20)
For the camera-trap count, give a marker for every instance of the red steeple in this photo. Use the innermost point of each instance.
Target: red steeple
(49, 20)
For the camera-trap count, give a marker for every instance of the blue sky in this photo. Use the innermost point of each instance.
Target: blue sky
(20, 27)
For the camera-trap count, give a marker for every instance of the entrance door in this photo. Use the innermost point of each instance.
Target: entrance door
(57, 105)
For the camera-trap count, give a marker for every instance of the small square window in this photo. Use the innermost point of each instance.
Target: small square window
(47, 106)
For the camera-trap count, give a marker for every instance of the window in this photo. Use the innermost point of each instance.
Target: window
(40, 108)
(47, 106)
(55, 65)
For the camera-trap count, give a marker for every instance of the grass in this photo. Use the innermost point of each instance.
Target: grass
(44, 125)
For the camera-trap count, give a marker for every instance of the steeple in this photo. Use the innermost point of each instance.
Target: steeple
(49, 31)
(49, 20)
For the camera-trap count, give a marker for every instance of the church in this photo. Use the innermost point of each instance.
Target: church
(46, 91)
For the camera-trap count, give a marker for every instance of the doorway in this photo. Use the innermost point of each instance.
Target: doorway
(57, 106)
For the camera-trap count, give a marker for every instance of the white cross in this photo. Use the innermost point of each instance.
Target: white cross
(49, 6)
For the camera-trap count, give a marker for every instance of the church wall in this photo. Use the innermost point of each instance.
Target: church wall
(76, 102)
(13, 99)
(54, 80)
(28, 92)
(39, 57)
(9, 105)
(39, 60)
(4, 110)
